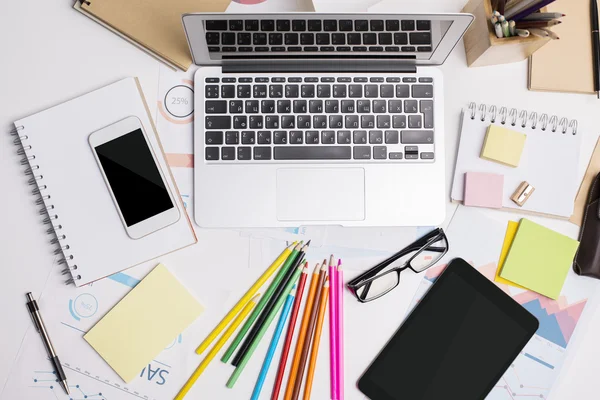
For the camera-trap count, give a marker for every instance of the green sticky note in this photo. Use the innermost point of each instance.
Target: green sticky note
(539, 259)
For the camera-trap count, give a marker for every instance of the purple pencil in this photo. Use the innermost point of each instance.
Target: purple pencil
(332, 330)
(340, 329)
(529, 10)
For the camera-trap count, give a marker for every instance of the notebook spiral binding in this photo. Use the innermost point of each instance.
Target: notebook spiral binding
(43, 199)
(523, 118)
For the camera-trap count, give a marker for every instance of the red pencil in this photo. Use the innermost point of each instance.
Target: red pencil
(290, 333)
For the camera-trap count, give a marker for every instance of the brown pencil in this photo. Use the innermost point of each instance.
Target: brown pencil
(310, 330)
(536, 24)
(310, 299)
(314, 351)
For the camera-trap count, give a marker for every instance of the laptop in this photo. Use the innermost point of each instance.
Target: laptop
(320, 119)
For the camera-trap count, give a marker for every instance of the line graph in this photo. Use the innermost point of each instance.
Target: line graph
(48, 380)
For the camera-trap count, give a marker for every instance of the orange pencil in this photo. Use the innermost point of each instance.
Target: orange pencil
(309, 332)
(317, 339)
(302, 332)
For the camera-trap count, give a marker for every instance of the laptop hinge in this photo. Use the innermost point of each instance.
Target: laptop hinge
(329, 66)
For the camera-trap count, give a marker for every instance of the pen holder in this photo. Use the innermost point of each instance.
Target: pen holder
(484, 48)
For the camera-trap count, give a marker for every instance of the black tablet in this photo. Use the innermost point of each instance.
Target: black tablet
(456, 344)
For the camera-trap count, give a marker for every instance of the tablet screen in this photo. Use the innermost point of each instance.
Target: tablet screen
(456, 344)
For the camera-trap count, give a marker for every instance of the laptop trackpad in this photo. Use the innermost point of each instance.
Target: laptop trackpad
(333, 194)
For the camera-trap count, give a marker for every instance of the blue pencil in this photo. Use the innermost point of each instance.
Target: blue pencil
(287, 307)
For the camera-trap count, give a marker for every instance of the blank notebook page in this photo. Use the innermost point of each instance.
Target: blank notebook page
(87, 214)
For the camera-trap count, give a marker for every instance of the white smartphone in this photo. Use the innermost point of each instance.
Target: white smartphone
(134, 178)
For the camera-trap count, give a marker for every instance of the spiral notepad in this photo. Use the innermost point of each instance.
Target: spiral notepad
(71, 192)
(549, 162)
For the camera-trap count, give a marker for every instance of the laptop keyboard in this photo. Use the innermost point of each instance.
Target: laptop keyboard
(313, 35)
(294, 118)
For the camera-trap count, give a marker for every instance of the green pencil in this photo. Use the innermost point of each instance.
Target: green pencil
(261, 304)
(238, 371)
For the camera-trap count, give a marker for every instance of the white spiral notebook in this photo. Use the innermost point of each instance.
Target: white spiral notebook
(74, 200)
(549, 162)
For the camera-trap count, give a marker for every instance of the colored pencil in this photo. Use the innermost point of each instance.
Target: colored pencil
(262, 303)
(249, 294)
(536, 24)
(543, 16)
(290, 333)
(220, 343)
(332, 332)
(340, 328)
(312, 290)
(240, 368)
(530, 10)
(538, 32)
(501, 6)
(287, 306)
(551, 33)
(314, 351)
(277, 293)
(310, 332)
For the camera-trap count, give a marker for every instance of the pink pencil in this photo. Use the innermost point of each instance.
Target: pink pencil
(332, 330)
(340, 329)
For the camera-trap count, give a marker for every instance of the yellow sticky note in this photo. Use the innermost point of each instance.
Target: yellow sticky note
(503, 145)
(143, 323)
(511, 231)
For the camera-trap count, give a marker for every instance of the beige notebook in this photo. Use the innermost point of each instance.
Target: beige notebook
(565, 65)
(153, 25)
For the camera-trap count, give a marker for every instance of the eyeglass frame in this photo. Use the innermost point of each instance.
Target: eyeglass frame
(419, 245)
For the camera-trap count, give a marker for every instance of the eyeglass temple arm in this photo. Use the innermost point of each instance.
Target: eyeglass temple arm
(382, 265)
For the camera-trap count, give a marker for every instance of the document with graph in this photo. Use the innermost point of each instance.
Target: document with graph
(69, 314)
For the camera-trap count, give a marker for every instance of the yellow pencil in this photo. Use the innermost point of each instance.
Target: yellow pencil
(211, 354)
(257, 285)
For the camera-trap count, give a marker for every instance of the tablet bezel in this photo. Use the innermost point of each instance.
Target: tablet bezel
(487, 288)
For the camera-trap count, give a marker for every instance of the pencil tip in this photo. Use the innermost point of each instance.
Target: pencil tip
(339, 263)
(317, 267)
(308, 243)
(331, 261)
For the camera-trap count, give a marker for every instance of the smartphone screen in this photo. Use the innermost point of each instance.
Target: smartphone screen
(134, 177)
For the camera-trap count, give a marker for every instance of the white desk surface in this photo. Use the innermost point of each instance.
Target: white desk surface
(51, 53)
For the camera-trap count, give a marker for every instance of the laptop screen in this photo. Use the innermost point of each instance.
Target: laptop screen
(418, 39)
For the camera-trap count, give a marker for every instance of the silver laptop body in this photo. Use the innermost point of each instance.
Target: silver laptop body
(320, 119)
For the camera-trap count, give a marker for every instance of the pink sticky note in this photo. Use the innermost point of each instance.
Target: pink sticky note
(483, 189)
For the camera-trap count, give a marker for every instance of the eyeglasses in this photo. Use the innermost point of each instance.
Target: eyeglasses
(385, 276)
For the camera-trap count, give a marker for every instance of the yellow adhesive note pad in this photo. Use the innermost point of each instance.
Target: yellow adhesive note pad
(511, 231)
(141, 325)
(539, 259)
(503, 145)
